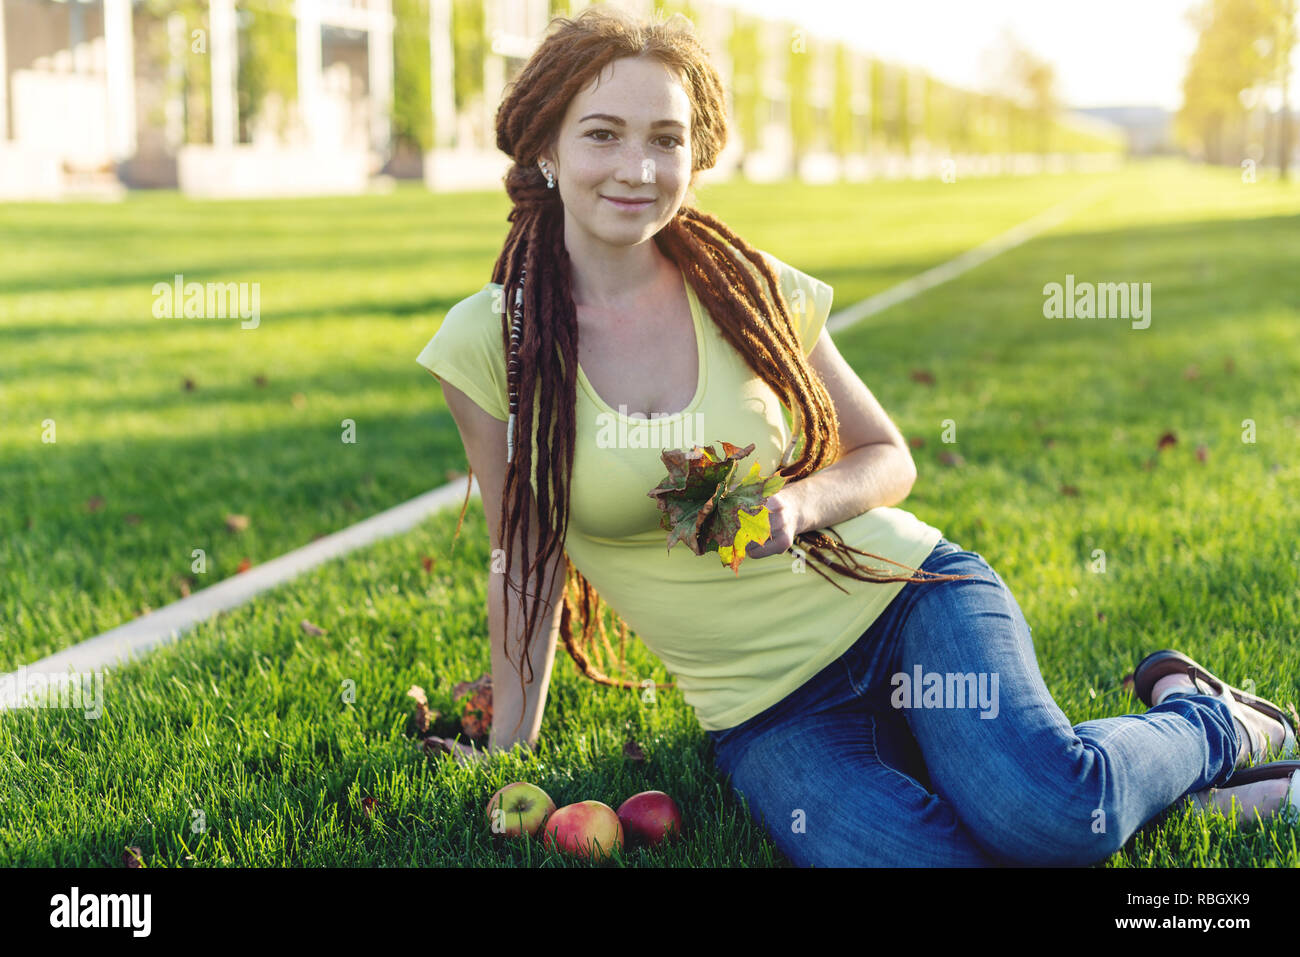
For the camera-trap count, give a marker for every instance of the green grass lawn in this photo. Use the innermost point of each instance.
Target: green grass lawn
(245, 721)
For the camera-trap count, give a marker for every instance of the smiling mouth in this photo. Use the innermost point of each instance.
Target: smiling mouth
(628, 203)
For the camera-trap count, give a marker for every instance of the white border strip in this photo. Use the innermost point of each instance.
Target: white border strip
(967, 261)
(167, 624)
(143, 634)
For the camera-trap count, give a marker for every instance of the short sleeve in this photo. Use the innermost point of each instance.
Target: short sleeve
(809, 300)
(466, 351)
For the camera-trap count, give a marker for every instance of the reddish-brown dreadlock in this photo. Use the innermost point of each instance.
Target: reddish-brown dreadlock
(534, 263)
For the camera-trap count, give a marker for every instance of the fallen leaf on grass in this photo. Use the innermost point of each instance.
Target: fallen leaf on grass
(190, 385)
(1070, 490)
(632, 751)
(94, 503)
(368, 804)
(427, 562)
(133, 857)
(259, 380)
(1166, 440)
(244, 566)
(916, 442)
(1101, 616)
(237, 523)
(313, 630)
(951, 458)
(423, 716)
(476, 714)
(922, 376)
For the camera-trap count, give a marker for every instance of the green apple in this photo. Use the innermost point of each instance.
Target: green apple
(519, 809)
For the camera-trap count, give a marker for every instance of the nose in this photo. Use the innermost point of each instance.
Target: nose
(635, 167)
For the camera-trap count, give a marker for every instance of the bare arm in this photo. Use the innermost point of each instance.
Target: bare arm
(484, 439)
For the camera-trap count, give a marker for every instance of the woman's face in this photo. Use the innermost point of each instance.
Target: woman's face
(626, 136)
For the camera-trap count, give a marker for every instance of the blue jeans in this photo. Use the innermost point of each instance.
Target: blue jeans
(933, 742)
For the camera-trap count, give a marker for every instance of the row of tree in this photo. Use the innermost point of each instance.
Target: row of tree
(1236, 93)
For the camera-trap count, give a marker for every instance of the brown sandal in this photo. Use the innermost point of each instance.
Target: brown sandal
(1245, 707)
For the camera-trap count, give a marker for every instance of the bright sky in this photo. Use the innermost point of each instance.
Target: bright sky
(1106, 52)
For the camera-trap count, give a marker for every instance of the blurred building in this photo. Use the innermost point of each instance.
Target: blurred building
(227, 98)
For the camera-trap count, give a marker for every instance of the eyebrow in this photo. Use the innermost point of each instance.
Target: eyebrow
(620, 122)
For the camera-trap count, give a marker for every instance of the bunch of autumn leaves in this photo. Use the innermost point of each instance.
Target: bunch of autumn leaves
(700, 506)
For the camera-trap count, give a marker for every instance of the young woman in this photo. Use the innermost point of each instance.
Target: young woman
(831, 699)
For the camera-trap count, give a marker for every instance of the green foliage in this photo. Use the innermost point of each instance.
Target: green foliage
(412, 104)
(268, 60)
(799, 53)
(469, 44)
(1243, 49)
(746, 91)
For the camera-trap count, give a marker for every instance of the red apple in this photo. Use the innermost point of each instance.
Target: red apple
(649, 818)
(518, 809)
(586, 829)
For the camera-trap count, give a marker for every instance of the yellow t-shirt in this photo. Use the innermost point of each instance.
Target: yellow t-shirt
(734, 644)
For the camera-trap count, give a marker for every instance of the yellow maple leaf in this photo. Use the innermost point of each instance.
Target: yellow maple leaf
(753, 528)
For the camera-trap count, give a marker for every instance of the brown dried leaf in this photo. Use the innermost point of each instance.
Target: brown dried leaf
(923, 376)
(313, 630)
(368, 804)
(259, 381)
(237, 523)
(1070, 490)
(133, 857)
(916, 442)
(632, 751)
(1167, 440)
(427, 562)
(190, 385)
(423, 716)
(476, 713)
(244, 566)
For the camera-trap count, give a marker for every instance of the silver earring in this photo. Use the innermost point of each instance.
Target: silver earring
(550, 177)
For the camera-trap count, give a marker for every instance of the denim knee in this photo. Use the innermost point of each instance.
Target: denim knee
(1019, 827)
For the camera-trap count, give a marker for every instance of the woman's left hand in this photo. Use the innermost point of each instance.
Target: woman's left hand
(784, 520)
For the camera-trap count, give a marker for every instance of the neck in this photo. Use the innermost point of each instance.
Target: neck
(611, 277)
